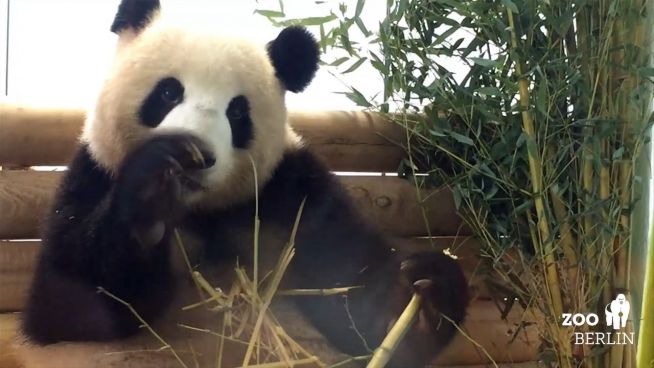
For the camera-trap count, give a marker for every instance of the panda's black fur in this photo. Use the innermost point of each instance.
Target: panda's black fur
(115, 230)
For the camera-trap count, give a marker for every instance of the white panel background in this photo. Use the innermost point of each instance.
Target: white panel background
(3, 45)
(60, 49)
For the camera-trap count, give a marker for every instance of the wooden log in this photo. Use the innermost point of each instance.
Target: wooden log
(352, 140)
(24, 198)
(392, 205)
(491, 334)
(18, 261)
(38, 136)
(347, 141)
(388, 202)
(17, 266)
(493, 338)
(8, 326)
(483, 324)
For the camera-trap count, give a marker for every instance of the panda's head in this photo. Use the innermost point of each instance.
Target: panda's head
(227, 91)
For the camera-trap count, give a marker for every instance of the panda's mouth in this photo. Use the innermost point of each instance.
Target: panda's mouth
(193, 181)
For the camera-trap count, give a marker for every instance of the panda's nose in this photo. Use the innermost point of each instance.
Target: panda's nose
(209, 159)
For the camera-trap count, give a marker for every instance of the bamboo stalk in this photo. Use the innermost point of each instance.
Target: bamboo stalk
(639, 246)
(567, 241)
(384, 352)
(535, 170)
(645, 353)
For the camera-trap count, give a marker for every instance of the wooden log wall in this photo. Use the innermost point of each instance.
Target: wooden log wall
(346, 141)
(390, 202)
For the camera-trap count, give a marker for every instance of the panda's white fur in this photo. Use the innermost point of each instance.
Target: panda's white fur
(213, 68)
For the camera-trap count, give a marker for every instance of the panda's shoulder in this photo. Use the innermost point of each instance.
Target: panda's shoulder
(301, 171)
(300, 162)
(85, 180)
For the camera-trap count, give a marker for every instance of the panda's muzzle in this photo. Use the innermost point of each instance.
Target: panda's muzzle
(192, 176)
(194, 180)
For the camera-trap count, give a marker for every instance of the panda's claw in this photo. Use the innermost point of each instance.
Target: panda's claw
(443, 287)
(154, 177)
(200, 155)
(422, 284)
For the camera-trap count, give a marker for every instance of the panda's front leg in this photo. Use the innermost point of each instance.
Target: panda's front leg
(148, 200)
(443, 287)
(112, 233)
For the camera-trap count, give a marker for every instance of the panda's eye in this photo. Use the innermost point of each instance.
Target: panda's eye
(238, 108)
(238, 114)
(162, 99)
(171, 91)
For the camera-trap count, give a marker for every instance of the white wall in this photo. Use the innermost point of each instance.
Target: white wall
(60, 49)
(3, 44)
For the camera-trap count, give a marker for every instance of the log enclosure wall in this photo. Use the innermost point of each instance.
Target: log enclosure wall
(346, 141)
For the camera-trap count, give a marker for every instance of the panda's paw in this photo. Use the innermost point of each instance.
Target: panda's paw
(440, 281)
(153, 178)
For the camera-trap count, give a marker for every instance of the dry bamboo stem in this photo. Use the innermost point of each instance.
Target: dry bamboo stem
(165, 345)
(280, 269)
(257, 224)
(317, 292)
(384, 352)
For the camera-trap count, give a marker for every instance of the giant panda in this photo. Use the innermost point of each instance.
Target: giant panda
(169, 148)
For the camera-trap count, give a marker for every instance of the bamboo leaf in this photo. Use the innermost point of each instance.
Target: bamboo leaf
(521, 140)
(487, 63)
(339, 61)
(461, 138)
(456, 193)
(646, 72)
(310, 21)
(357, 97)
(617, 154)
(444, 36)
(359, 8)
(355, 66)
(271, 13)
(323, 39)
(489, 91)
(362, 27)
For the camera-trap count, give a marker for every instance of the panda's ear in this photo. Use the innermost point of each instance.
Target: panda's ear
(133, 15)
(295, 55)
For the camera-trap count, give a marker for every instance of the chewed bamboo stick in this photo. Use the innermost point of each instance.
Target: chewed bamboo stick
(317, 292)
(392, 340)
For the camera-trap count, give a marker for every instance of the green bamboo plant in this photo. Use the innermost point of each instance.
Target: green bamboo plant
(539, 140)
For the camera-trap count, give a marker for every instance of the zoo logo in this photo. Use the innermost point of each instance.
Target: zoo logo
(616, 313)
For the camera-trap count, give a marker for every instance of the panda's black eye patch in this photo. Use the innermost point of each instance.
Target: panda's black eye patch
(167, 94)
(238, 114)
